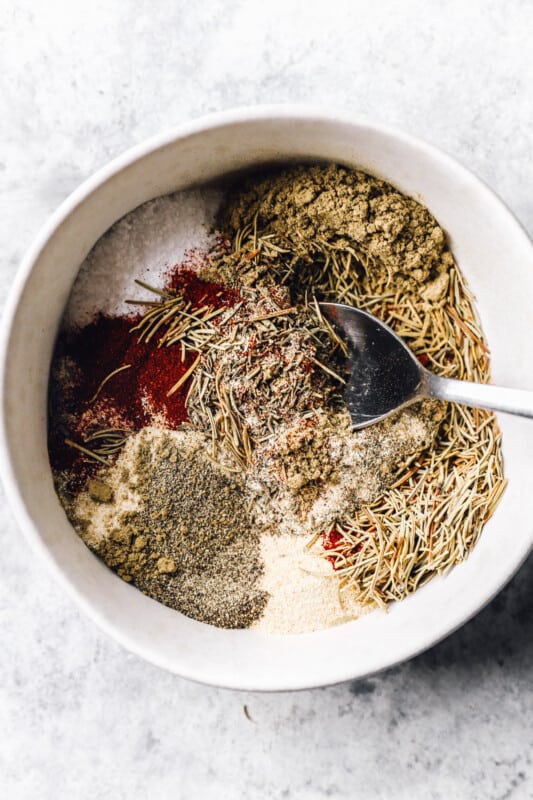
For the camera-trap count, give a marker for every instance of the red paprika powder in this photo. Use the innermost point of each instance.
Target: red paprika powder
(137, 395)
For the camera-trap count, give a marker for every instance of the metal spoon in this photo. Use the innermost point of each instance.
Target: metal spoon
(386, 376)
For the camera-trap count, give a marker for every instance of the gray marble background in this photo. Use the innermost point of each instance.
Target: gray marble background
(79, 716)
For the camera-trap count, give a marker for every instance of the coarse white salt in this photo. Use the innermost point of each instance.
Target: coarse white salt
(144, 244)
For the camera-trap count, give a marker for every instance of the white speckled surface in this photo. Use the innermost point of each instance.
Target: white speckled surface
(79, 717)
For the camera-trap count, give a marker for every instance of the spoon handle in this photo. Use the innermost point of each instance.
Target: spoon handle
(479, 395)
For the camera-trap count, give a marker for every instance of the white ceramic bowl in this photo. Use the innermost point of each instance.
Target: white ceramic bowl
(497, 259)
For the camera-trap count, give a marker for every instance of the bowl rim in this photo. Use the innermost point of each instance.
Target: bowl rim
(220, 119)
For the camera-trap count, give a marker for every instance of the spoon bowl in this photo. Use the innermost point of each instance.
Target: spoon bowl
(385, 375)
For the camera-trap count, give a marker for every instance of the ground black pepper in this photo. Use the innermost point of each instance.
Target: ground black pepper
(190, 543)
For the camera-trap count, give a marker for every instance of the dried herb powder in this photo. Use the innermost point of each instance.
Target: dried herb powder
(188, 541)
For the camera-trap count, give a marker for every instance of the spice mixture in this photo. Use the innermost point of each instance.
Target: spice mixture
(200, 443)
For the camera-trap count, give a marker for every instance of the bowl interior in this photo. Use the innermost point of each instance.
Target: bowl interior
(496, 258)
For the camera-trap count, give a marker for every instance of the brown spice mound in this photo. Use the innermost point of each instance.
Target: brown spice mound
(303, 205)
